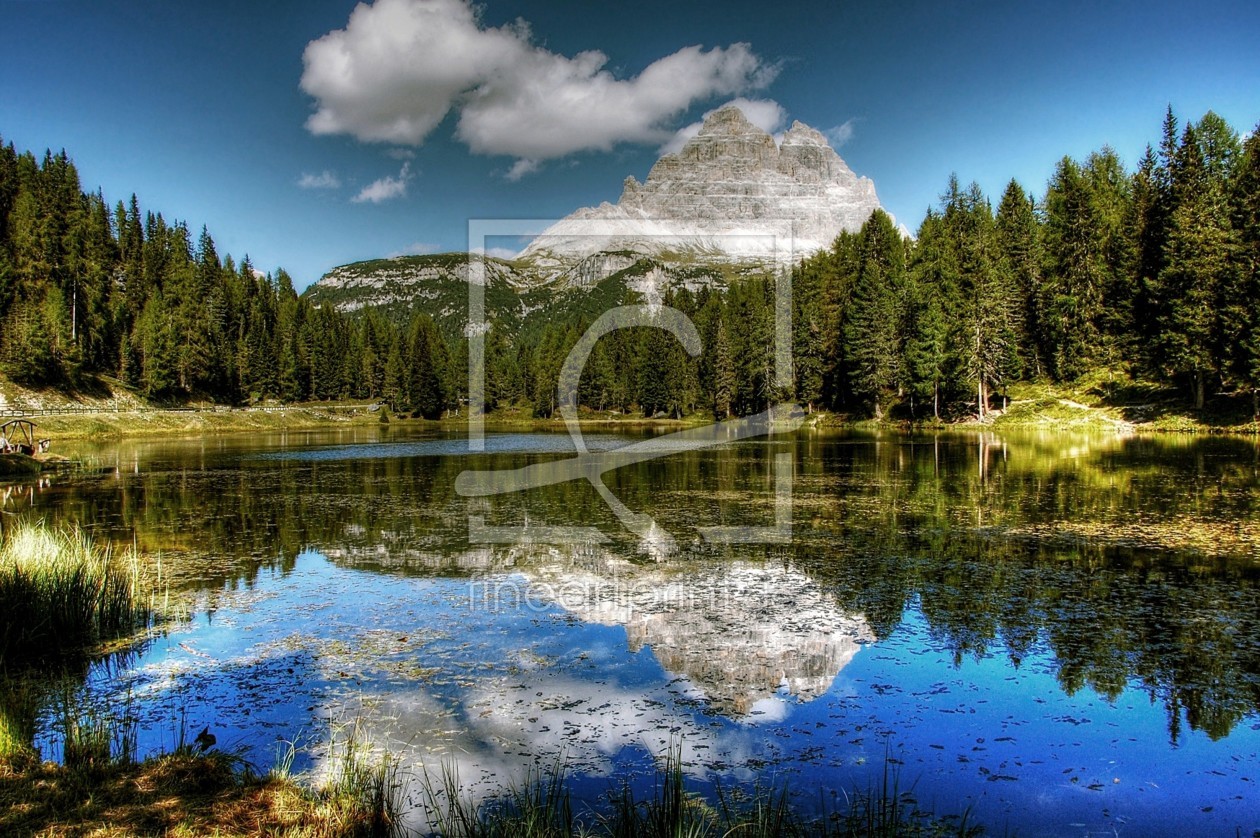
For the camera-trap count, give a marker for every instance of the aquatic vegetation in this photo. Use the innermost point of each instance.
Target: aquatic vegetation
(361, 795)
(60, 593)
(190, 791)
(542, 807)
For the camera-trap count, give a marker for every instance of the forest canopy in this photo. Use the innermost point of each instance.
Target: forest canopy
(1150, 273)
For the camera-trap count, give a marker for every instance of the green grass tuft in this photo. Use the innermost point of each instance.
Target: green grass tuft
(61, 595)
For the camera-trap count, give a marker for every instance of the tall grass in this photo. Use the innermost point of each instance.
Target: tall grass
(60, 594)
(360, 796)
(542, 808)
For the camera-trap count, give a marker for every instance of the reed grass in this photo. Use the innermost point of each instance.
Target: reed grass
(542, 808)
(61, 594)
(360, 795)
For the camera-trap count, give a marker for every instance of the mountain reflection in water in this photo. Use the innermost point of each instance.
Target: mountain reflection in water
(1054, 631)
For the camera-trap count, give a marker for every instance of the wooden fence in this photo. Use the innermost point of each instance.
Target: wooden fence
(14, 413)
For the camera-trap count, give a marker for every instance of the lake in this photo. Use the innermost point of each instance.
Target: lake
(1056, 634)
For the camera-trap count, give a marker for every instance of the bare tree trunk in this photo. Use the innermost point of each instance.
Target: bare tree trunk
(1199, 390)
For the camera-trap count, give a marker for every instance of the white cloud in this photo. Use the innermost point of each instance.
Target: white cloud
(414, 249)
(766, 114)
(386, 188)
(400, 66)
(323, 180)
(841, 134)
(399, 153)
(502, 252)
(521, 168)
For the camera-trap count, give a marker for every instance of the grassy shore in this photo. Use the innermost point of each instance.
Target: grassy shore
(176, 423)
(184, 795)
(187, 794)
(1105, 401)
(61, 595)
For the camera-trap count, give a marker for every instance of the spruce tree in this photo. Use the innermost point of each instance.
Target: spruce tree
(424, 378)
(1197, 266)
(1019, 259)
(1245, 205)
(1072, 291)
(872, 337)
(933, 301)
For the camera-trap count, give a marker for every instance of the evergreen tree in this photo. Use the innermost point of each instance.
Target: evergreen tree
(1073, 286)
(1019, 259)
(723, 372)
(932, 298)
(1246, 224)
(424, 374)
(988, 307)
(1111, 208)
(872, 336)
(1197, 266)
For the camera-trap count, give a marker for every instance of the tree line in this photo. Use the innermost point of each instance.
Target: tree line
(1151, 273)
(1147, 274)
(86, 289)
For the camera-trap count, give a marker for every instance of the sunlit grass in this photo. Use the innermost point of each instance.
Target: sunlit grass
(100, 788)
(61, 594)
(360, 795)
(542, 808)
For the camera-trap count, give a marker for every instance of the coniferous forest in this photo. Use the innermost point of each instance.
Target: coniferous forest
(1152, 273)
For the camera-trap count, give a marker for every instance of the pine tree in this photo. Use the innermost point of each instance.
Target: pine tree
(424, 379)
(1150, 212)
(155, 337)
(988, 301)
(723, 372)
(872, 336)
(1073, 285)
(933, 300)
(1246, 223)
(1019, 259)
(1197, 266)
(1111, 208)
(395, 389)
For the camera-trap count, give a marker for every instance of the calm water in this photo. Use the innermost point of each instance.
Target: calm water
(1061, 634)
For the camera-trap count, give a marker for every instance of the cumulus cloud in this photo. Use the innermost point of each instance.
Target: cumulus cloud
(400, 66)
(414, 249)
(386, 188)
(766, 114)
(521, 168)
(323, 180)
(840, 134)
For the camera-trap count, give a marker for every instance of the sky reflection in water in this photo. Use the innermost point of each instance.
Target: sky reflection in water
(922, 614)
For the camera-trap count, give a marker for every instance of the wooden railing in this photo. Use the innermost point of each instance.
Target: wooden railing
(9, 412)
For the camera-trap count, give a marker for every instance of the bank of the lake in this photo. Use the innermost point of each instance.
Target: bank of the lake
(1096, 405)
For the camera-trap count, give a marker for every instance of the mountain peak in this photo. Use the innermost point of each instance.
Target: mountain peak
(727, 119)
(731, 193)
(801, 133)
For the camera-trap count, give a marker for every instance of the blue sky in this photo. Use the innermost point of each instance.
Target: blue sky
(431, 114)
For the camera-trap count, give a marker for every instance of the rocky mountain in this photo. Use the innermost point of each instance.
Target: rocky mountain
(742, 633)
(731, 193)
(733, 201)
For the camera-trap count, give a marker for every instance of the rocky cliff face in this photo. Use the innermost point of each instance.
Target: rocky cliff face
(730, 193)
(731, 201)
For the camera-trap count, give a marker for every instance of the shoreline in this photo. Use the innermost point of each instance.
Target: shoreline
(165, 423)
